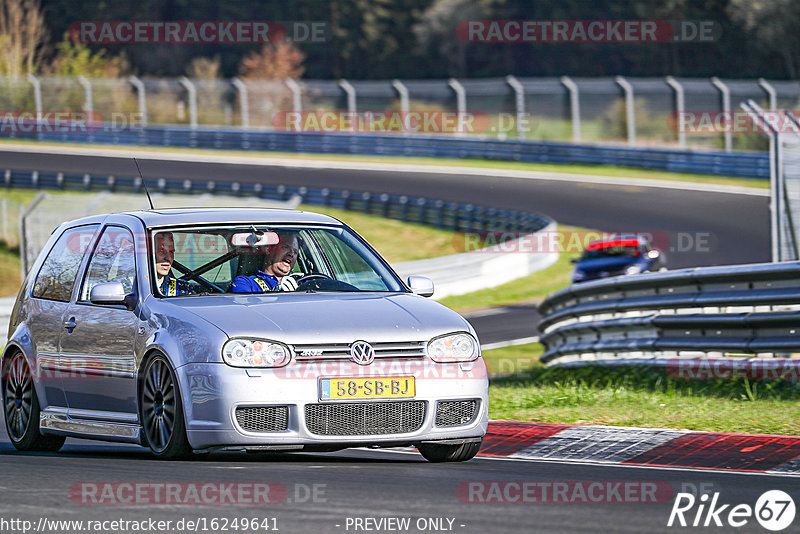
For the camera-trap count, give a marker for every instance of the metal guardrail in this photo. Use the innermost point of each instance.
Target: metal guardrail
(430, 212)
(710, 311)
(755, 165)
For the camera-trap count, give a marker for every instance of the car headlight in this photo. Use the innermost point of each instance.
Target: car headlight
(633, 269)
(458, 347)
(578, 275)
(242, 352)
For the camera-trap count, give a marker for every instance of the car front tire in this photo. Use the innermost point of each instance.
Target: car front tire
(445, 452)
(161, 411)
(21, 408)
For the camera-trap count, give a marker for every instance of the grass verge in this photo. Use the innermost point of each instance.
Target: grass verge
(529, 288)
(641, 397)
(615, 172)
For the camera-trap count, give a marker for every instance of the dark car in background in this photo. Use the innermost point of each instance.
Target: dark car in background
(616, 256)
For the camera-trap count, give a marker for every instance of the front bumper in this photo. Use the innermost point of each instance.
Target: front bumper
(212, 392)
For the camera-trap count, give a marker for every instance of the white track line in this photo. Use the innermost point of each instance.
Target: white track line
(385, 167)
(509, 343)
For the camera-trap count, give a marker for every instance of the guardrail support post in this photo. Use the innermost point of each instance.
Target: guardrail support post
(297, 94)
(725, 93)
(519, 98)
(461, 103)
(244, 104)
(680, 108)
(630, 117)
(190, 87)
(574, 107)
(88, 105)
(771, 93)
(140, 93)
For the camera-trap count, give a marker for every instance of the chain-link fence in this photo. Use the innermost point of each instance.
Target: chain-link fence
(633, 111)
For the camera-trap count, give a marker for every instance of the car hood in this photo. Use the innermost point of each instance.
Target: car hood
(308, 318)
(611, 263)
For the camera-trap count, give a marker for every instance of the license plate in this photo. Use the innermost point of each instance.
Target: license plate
(383, 387)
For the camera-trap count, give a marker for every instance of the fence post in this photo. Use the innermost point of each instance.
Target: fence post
(771, 93)
(574, 106)
(726, 110)
(350, 91)
(461, 103)
(630, 118)
(88, 105)
(4, 207)
(23, 239)
(297, 94)
(402, 91)
(519, 92)
(244, 105)
(37, 99)
(190, 87)
(140, 93)
(679, 108)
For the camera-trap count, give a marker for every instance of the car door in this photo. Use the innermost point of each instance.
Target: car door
(49, 302)
(99, 350)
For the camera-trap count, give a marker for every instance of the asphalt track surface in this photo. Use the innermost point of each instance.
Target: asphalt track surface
(694, 228)
(367, 483)
(356, 483)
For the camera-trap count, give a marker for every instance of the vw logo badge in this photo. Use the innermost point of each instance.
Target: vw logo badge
(362, 353)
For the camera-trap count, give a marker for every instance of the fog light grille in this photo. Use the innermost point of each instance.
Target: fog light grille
(365, 418)
(455, 413)
(263, 418)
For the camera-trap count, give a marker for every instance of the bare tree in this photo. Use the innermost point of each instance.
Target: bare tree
(22, 34)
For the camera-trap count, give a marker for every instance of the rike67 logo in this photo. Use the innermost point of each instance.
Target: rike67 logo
(774, 510)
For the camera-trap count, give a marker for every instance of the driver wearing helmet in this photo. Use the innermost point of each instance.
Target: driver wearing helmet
(274, 276)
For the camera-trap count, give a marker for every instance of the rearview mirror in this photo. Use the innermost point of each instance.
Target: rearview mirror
(421, 285)
(254, 239)
(108, 293)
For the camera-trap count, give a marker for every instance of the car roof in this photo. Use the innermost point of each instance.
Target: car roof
(616, 241)
(183, 216)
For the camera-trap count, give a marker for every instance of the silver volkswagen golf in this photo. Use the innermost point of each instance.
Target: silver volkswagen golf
(236, 329)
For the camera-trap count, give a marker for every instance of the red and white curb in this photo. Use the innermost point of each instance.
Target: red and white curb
(643, 447)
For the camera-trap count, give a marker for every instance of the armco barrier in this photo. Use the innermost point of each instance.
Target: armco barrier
(703, 312)
(754, 165)
(429, 212)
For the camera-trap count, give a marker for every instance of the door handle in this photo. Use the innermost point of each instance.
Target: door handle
(70, 325)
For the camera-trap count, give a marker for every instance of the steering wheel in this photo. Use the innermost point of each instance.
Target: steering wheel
(203, 282)
(312, 276)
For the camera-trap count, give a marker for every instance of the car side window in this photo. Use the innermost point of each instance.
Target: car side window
(113, 260)
(59, 270)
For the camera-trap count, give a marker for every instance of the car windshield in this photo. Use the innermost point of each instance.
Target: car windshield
(606, 252)
(255, 258)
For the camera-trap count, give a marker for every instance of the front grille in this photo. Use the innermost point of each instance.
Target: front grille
(365, 418)
(455, 413)
(263, 418)
(341, 351)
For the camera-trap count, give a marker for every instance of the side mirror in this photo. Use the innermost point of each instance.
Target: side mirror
(108, 293)
(574, 260)
(421, 285)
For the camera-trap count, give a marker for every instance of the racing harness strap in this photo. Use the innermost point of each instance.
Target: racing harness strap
(172, 290)
(263, 285)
